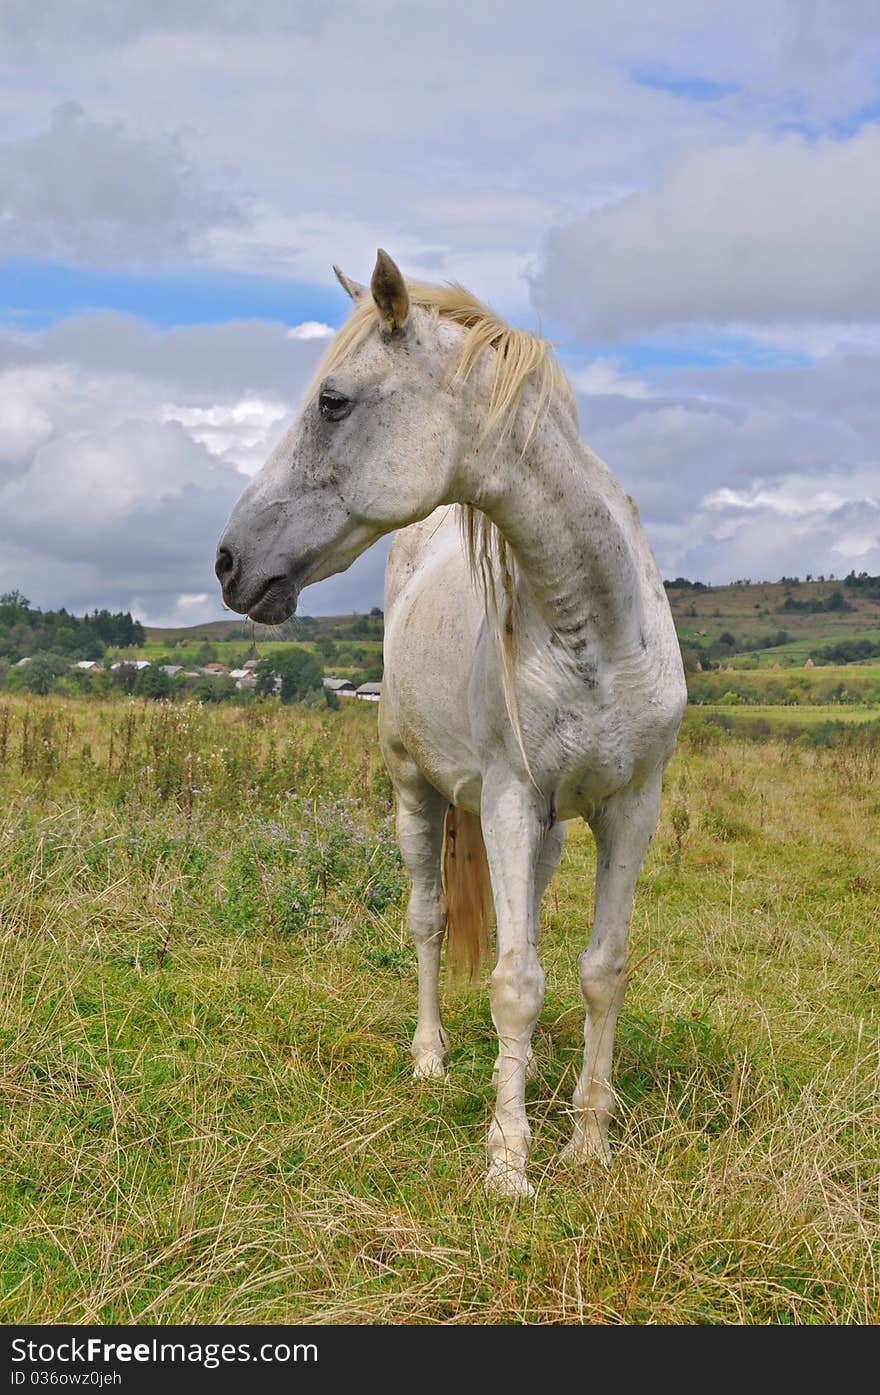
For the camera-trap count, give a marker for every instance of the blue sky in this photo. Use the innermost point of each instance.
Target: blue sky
(36, 294)
(686, 204)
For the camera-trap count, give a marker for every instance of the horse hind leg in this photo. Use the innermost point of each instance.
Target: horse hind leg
(622, 830)
(420, 814)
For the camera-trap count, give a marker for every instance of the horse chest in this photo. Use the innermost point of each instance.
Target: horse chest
(587, 742)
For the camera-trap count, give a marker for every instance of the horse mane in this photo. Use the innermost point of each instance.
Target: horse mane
(521, 358)
(520, 355)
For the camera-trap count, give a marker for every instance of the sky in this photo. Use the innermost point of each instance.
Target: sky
(684, 198)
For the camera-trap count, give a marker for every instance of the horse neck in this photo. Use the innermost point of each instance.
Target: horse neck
(573, 532)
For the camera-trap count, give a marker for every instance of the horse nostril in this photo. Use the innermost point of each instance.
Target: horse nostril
(225, 566)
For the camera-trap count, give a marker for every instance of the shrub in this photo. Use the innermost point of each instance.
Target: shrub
(152, 682)
(41, 674)
(300, 672)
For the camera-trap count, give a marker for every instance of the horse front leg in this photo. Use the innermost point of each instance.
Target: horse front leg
(622, 829)
(513, 832)
(548, 860)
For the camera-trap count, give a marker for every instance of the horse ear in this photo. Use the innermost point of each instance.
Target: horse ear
(389, 293)
(351, 288)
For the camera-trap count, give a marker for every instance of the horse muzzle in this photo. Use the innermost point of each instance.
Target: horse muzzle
(268, 600)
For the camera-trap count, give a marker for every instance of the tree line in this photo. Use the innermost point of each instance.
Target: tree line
(25, 630)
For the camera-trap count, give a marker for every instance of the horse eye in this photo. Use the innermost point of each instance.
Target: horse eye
(333, 405)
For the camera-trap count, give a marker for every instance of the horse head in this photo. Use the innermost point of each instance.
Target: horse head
(371, 450)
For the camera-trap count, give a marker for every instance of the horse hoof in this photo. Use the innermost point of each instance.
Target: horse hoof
(502, 1180)
(429, 1067)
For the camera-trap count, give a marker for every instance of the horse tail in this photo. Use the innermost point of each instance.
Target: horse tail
(468, 894)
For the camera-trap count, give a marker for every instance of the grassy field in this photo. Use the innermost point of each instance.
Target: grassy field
(701, 616)
(244, 631)
(834, 685)
(800, 716)
(187, 652)
(748, 612)
(797, 651)
(229, 651)
(783, 723)
(236, 640)
(208, 1114)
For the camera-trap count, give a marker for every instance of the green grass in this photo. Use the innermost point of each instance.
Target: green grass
(186, 653)
(779, 717)
(244, 631)
(756, 610)
(227, 650)
(837, 685)
(208, 1114)
(797, 651)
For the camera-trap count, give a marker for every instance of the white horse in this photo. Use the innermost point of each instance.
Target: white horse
(532, 670)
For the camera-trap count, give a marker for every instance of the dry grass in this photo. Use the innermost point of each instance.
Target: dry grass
(207, 1107)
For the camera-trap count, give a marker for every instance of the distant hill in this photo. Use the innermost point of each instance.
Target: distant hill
(756, 624)
(775, 622)
(744, 624)
(751, 623)
(298, 627)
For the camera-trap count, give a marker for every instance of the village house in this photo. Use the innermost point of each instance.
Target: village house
(243, 678)
(342, 687)
(369, 692)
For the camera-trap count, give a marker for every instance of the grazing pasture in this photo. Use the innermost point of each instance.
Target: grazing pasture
(208, 1113)
(805, 609)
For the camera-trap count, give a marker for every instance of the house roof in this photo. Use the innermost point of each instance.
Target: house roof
(373, 689)
(337, 683)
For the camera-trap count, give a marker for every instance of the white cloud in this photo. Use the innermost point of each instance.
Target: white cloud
(96, 192)
(812, 339)
(185, 609)
(288, 153)
(310, 329)
(797, 498)
(757, 546)
(603, 378)
(764, 231)
(122, 450)
(24, 416)
(241, 433)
